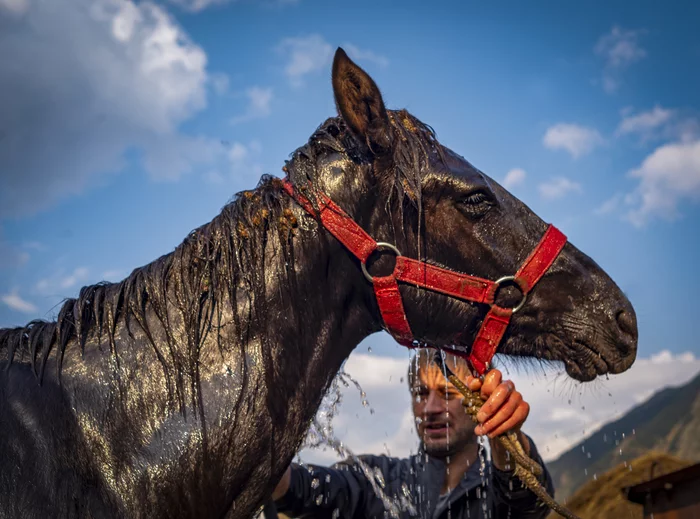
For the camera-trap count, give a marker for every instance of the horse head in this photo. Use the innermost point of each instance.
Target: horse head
(387, 170)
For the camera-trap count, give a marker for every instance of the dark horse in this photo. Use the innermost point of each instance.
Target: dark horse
(186, 389)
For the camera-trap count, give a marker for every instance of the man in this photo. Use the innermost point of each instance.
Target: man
(449, 477)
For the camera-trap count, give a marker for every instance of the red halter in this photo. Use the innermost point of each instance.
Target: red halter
(422, 274)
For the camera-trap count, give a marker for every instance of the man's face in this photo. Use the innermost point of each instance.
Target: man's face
(442, 424)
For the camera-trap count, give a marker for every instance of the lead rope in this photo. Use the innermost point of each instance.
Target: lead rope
(526, 469)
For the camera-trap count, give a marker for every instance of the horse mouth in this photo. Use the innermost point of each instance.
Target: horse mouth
(586, 363)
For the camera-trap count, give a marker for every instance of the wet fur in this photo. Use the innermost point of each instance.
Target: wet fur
(186, 389)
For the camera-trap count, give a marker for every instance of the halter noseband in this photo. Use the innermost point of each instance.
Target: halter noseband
(421, 274)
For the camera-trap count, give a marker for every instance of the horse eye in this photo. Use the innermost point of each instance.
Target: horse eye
(476, 198)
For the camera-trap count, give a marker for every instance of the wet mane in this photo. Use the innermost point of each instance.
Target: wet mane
(216, 264)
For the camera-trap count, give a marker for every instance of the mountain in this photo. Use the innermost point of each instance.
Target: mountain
(603, 498)
(668, 422)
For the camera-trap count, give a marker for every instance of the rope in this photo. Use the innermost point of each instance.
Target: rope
(526, 469)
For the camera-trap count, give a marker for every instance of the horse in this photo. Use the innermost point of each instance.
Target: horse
(186, 389)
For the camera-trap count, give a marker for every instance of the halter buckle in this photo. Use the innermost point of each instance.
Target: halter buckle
(381, 245)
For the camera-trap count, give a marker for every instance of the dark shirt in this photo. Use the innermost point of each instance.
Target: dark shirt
(346, 490)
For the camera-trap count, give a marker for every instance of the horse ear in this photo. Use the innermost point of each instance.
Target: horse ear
(360, 104)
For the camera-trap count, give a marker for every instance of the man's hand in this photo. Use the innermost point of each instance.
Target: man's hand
(504, 410)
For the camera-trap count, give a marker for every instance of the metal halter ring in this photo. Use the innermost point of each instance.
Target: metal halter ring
(502, 280)
(380, 246)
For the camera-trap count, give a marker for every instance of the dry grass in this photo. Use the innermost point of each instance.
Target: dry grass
(603, 498)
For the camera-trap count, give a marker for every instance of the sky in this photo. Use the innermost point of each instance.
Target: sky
(124, 125)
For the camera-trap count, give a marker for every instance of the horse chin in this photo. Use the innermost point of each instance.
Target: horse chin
(579, 372)
(585, 362)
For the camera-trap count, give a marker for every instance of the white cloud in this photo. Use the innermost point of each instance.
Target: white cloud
(610, 205)
(619, 48)
(514, 178)
(577, 140)
(198, 5)
(62, 282)
(78, 275)
(259, 100)
(308, 54)
(642, 123)
(239, 160)
(195, 6)
(558, 187)
(305, 55)
(563, 411)
(14, 301)
(105, 76)
(357, 54)
(669, 175)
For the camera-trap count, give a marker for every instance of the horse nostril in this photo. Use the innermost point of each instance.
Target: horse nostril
(627, 322)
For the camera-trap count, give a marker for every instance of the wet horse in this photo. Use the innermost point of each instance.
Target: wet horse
(186, 389)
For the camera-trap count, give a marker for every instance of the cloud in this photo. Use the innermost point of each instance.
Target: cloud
(514, 178)
(105, 76)
(305, 55)
(558, 187)
(14, 301)
(308, 54)
(563, 411)
(668, 176)
(195, 6)
(610, 205)
(645, 121)
(259, 100)
(240, 160)
(619, 48)
(61, 282)
(577, 140)
(357, 54)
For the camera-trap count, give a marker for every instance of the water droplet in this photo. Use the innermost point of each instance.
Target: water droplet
(369, 349)
(315, 483)
(328, 478)
(319, 499)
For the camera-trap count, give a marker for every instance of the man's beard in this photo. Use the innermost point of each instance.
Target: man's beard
(456, 443)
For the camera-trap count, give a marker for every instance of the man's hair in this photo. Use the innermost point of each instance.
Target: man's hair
(423, 367)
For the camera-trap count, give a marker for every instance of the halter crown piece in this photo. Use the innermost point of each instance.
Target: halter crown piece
(421, 274)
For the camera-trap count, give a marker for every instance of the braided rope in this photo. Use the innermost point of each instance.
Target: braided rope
(526, 469)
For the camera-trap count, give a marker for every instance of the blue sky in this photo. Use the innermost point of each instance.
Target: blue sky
(129, 124)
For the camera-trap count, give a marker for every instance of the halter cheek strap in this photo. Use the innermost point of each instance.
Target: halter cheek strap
(423, 275)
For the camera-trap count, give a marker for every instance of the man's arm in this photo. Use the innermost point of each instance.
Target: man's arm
(312, 491)
(339, 491)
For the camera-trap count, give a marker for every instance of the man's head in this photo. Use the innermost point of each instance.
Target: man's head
(443, 426)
